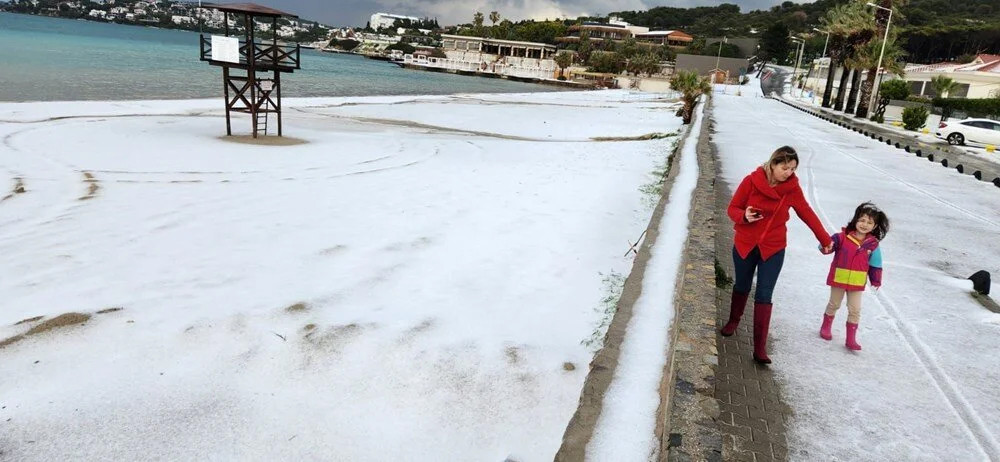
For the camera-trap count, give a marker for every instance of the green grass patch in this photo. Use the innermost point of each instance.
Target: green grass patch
(652, 191)
(614, 283)
(722, 280)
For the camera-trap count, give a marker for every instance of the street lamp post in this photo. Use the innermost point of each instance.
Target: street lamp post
(798, 60)
(875, 90)
(825, 44)
(719, 57)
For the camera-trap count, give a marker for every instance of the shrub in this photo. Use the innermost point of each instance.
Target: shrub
(646, 63)
(891, 89)
(609, 62)
(987, 107)
(406, 48)
(915, 117)
(345, 44)
(894, 89)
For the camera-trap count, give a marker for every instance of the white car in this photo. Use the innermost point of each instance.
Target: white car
(972, 131)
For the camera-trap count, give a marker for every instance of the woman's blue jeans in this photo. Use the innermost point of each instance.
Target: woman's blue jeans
(767, 273)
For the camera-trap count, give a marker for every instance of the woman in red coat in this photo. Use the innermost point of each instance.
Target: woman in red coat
(759, 209)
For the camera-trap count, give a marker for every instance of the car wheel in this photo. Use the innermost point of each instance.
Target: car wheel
(956, 138)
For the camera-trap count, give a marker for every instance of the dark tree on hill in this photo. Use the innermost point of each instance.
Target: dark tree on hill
(774, 44)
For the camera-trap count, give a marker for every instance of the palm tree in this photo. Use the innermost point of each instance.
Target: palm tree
(477, 23)
(691, 86)
(943, 85)
(494, 17)
(881, 20)
(563, 60)
(859, 60)
(847, 24)
(866, 57)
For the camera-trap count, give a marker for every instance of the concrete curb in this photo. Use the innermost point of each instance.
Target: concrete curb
(691, 428)
(581, 426)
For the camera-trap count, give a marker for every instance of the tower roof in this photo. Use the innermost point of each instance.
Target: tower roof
(252, 9)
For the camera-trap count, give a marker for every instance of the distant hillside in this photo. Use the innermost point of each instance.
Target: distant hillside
(933, 30)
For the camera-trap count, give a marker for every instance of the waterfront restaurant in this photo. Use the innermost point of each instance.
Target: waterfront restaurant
(467, 48)
(618, 30)
(672, 38)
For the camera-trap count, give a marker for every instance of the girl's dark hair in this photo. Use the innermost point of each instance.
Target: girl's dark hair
(782, 155)
(876, 214)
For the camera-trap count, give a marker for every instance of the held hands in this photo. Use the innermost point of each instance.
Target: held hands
(827, 249)
(752, 214)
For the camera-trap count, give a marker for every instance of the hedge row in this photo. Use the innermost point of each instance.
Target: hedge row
(989, 107)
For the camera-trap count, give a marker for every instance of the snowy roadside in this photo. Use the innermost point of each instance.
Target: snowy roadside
(922, 387)
(625, 429)
(415, 280)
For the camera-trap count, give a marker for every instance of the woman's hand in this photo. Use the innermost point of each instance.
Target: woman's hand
(751, 215)
(827, 250)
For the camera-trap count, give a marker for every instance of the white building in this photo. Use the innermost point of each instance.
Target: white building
(617, 21)
(383, 20)
(97, 14)
(183, 20)
(977, 79)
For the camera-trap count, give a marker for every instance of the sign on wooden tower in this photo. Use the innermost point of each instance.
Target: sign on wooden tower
(243, 60)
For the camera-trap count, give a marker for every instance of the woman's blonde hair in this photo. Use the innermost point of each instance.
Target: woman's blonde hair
(779, 156)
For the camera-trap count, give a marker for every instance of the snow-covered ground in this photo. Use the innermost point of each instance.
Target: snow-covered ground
(924, 386)
(627, 424)
(413, 281)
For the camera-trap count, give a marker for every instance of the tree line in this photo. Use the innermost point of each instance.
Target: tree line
(929, 30)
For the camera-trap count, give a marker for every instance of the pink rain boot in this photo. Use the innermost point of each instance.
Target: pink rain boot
(852, 343)
(824, 331)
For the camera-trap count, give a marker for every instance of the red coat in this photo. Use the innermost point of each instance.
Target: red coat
(769, 232)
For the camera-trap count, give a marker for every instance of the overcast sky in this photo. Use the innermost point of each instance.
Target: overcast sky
(357, 12)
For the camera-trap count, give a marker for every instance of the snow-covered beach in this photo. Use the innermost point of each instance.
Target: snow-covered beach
(416, 278)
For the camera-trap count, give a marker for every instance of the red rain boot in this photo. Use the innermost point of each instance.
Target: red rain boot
(852, 342)
(761, 322)
(824, 331)
(736, 308)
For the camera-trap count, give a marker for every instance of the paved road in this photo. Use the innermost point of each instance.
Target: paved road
(923, 387)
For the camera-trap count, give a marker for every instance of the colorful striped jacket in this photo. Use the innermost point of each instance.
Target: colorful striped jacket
(855, 263)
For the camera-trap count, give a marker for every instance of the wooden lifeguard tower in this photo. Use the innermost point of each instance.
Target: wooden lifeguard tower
(243, 59)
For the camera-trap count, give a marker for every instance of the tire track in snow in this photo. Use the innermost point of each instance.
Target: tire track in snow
(970, 418)
(64, 188)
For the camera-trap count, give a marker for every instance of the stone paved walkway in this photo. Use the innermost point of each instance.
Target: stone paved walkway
(752, 415)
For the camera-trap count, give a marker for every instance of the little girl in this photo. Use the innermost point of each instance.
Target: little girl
(857, 259)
